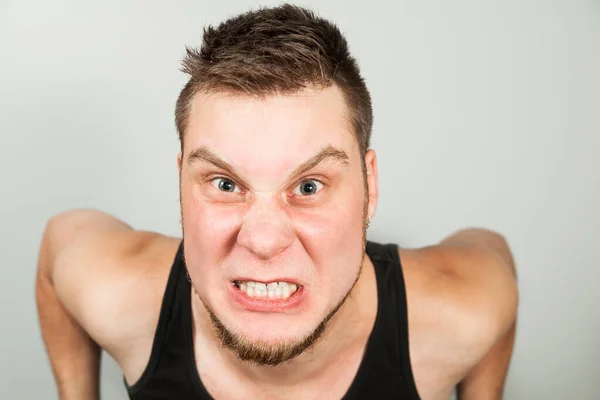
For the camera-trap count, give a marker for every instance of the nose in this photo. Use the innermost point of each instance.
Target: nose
(265, 231)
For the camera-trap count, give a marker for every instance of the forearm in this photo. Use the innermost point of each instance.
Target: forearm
(486, 380)
(74, 356)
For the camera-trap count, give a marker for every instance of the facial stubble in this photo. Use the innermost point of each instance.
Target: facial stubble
(269, 354)
(272, 354)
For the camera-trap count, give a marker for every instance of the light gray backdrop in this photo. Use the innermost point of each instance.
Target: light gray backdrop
(487, 113)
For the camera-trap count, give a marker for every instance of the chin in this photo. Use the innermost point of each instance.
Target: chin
(267, 339)
(275, 329)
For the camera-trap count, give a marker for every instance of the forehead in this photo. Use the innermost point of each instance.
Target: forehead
(274, 132)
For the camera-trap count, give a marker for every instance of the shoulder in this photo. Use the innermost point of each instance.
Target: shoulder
(106, 273)
(462, 297)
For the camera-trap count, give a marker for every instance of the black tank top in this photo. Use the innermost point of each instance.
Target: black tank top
(384, 373)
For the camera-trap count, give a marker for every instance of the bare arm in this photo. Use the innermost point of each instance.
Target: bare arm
(73, 354)
(486, 379)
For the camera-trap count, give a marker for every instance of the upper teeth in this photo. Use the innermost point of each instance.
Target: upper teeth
(273, 290)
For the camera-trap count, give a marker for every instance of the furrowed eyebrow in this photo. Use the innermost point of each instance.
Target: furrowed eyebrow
(204, 154)
(328, 153)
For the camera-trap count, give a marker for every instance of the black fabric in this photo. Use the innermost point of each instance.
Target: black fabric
(385, 371)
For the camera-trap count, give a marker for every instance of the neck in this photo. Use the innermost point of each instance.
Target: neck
(347, 332)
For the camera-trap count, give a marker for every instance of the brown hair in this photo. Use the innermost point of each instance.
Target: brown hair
(278, 50)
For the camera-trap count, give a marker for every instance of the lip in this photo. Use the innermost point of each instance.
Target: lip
(265, 305)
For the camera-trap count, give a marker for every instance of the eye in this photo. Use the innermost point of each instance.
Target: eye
(224, 185)
(308, 187)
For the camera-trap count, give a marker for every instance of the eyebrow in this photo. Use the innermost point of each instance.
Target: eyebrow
(327, 153)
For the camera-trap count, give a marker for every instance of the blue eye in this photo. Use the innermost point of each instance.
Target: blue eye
(224, 185)
(309, 187)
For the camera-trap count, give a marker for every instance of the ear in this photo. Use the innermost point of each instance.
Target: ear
(371, 167)
(179, 156)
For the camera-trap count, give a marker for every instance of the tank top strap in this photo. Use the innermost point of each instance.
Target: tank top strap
(386, 371)
(168, 310)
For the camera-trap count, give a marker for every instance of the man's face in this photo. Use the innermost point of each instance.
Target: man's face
(273, 209)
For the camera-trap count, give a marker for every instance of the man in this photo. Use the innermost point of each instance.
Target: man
(274, 291)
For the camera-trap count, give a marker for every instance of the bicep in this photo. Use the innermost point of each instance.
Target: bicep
(70, 253)
(472, 298)
(85, 249)
(488, 285)
(482, 290)
(66, 230)
(101, 281)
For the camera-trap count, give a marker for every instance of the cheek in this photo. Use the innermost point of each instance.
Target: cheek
(340, 216)
(327, 233)
(210, 237)
(333, 238)
(204, 221)
(210, 233)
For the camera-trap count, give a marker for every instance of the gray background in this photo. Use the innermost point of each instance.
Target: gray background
(487, 113)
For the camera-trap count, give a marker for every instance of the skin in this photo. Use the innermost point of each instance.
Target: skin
(266, 229)
(96, 272)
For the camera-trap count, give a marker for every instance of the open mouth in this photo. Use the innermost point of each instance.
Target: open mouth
(270, 291)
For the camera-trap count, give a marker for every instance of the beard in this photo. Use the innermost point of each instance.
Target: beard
(263, 353)
(271, 354)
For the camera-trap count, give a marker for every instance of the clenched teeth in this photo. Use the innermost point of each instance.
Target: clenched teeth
(273, 290)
